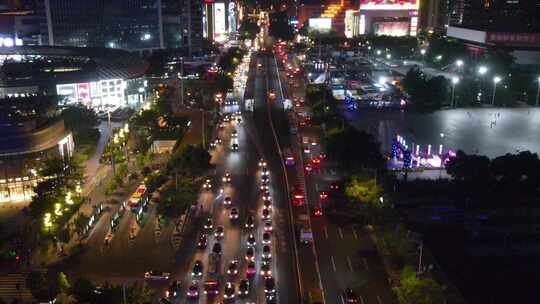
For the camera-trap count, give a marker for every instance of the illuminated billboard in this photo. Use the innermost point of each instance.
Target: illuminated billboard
(98, 94)
(220, 29)
(349, 23)
(320, 24)
(389, 5)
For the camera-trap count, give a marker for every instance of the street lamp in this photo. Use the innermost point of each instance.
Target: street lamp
(382, 80)
(459, 64)
(482, 70)
(423, 53)
(388, 56)
(455, 80)
(378, 52)
(538, 91)
(496, 80)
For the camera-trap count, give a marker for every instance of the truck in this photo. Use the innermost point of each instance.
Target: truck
(306, 235)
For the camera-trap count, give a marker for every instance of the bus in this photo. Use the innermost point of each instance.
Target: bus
(288, 157)
(139, 198)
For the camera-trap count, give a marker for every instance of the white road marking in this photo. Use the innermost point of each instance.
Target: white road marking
(349, 263)
(362, 299)
(340, 233)
(354, 234)
(365, 263)
(333, 263)
(379, 299)
(342, 299)
(317, 187)
(325, 232)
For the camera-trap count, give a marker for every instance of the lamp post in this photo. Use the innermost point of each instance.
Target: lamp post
(459, 64)
(423, 53)
(538, 91)
(455, 80)
(482, 70)
(496, 80)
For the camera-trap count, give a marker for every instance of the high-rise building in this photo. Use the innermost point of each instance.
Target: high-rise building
(126, 24)
(182, 24)
(510, 25)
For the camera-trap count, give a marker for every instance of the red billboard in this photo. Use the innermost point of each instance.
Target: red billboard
(513, 39)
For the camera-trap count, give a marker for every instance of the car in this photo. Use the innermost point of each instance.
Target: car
(259, 65)
(193, 291)
(226, 178)
(207, 184)
(265, 171)
(197, 269)
(315, 161)
(211, 287)
(213, 145)
(317, 211)
(232, 269)
(251, 269)
(266, 214)
(173, 290)
(267, 252)
(266, 196)
(265, 270)
(243, 288)
(230, 291)
(267, 204)
(334, 186)
(350, 296)
(227, 201)
(233, 215)
(234, 134)
(203, 241)
(269, 286)
(227, 118)
(298, 198)
(323, 195)
(216, 248)
(264, 186)
(251, 241)
(250, 254)
(322, 155)
(308, 168)
(262, 162)
(306, 148)
(265, 179)
(208, 224)
(234, 147)
(156, 275)
(219, 232)
(250, 223)
(266, 238)
(268, 227)
(271, 94)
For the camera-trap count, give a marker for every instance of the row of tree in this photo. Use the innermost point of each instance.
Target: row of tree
(425, 92)
(53, 284)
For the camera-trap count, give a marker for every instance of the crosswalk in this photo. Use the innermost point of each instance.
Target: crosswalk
(13, 286)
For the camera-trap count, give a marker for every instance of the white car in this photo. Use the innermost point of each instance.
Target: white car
(265, 171)
(233, 215)
(207, 184)
(262, 163)
(226, 178)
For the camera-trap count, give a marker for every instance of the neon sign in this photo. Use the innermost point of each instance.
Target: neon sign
(389, 5)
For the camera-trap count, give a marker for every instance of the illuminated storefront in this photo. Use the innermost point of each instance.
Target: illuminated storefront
(97, 95)
(389, 17)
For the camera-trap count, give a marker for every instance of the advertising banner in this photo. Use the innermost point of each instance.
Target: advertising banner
(220, 29)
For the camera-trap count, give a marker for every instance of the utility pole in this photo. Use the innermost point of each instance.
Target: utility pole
(124, 293)
(181, 81)
(203, 130)
(421, 248)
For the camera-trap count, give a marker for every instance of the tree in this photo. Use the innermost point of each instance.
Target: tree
(474, 168)
(78, 118)
(355, 150)
(63, 283)
(140, 293)
(413, 290)
(174, 201)
(437, 94)
(248, 29)
(192, 160)
(363, 190)
(83, 291)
